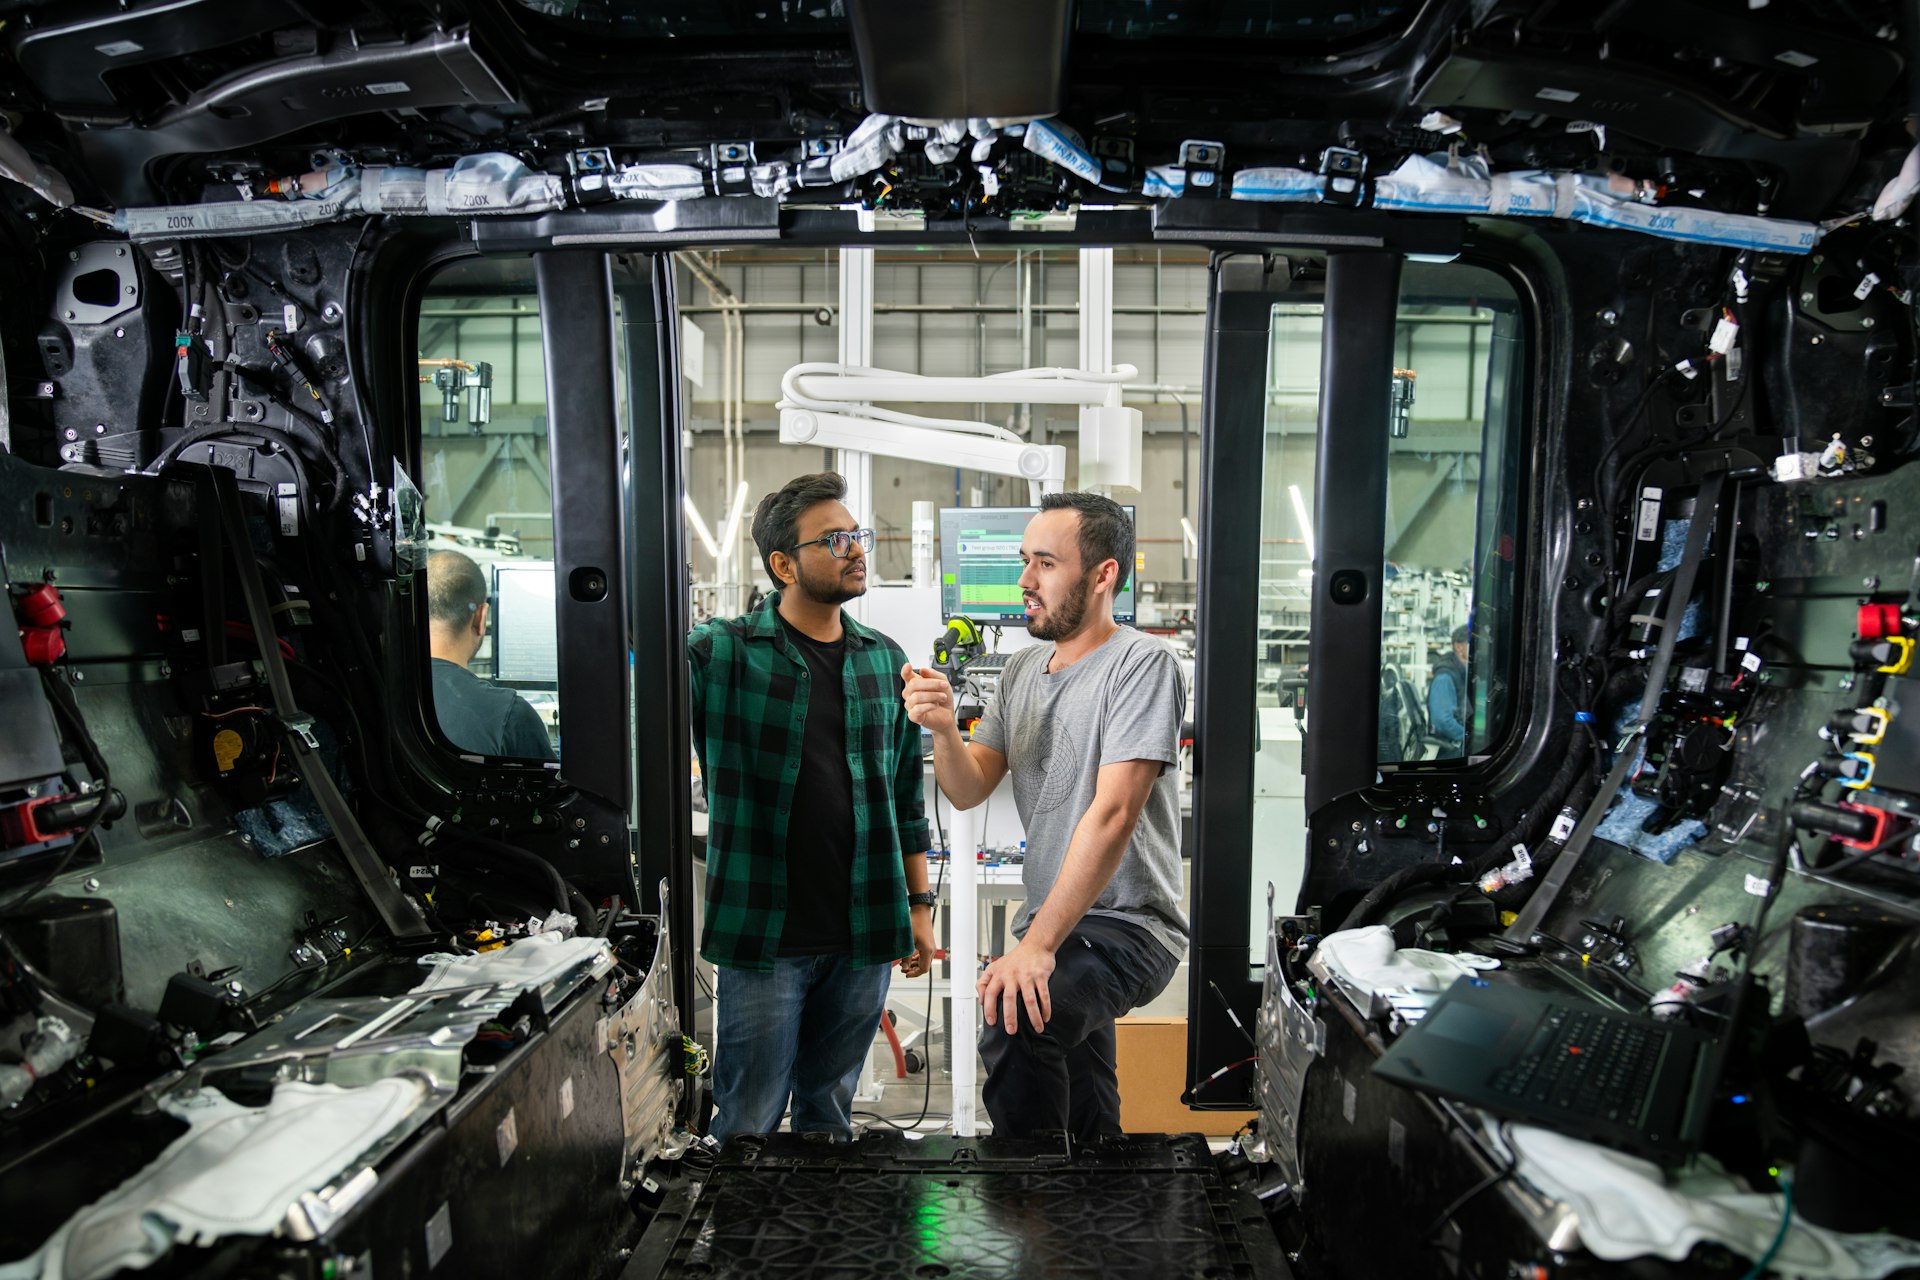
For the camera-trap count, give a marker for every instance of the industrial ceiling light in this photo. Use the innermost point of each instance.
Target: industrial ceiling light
(1306, 525)
(700, 525)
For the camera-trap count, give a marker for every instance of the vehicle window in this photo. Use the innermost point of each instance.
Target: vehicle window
(489, 510)
(1453, 488)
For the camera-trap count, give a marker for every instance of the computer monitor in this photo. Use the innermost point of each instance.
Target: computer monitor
(980, 566)
(526, 652)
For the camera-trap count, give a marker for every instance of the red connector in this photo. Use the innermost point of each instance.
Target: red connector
(1878, 621)
(1882, 820)
(20, 826)
(41, 614)
(41, 607)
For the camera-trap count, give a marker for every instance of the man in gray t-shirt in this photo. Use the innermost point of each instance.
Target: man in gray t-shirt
(1089, 728)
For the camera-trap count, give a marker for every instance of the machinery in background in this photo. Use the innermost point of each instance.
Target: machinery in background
(452, 377)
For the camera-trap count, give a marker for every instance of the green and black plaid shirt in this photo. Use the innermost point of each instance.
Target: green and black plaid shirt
(749, 726)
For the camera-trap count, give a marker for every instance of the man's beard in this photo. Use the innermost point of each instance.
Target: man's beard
(1063, 619)
(833, 587)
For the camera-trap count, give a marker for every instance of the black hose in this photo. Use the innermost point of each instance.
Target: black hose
(1405, 878)
(519, 857)
(583, 912)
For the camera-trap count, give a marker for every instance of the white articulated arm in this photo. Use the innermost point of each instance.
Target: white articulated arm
(831, 405)
(1042, 464)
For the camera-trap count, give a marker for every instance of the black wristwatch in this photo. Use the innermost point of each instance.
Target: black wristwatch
(924, 898)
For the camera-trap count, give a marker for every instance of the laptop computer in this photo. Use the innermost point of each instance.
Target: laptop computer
(1624, 1080)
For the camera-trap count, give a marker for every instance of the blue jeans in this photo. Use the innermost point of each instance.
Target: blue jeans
(802, 1030)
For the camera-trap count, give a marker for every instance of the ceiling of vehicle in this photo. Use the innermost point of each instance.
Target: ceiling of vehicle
(1743, 108)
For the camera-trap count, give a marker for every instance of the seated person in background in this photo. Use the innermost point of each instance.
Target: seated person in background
(475, 716)
(1447, 707)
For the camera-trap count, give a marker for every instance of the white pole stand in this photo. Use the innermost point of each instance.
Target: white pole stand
(963, 962)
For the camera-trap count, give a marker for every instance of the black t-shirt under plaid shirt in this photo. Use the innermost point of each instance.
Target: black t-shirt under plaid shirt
(750, 695)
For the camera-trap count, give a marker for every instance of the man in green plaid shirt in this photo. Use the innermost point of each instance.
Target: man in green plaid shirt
(816, 835)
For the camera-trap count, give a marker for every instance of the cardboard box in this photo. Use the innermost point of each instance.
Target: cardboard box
(1152, 1064)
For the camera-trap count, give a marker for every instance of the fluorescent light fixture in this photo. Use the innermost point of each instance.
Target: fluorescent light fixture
(730, 539)
(1300, 513)
(699, 525)
(1192, 539)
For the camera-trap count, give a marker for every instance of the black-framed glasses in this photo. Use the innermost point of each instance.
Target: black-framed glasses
(841, 541)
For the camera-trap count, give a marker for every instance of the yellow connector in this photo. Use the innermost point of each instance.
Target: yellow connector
(1903, 655)
(1879, 730)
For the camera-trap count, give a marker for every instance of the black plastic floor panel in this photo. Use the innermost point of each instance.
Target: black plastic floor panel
(785, 1208)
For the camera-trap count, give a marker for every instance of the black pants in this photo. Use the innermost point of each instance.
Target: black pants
(1063, 1077)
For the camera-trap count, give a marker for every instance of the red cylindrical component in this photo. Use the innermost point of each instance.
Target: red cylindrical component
(41, 607)
(44, 645)
(1877, 621)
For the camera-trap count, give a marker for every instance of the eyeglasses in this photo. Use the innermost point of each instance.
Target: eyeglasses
(841, 541)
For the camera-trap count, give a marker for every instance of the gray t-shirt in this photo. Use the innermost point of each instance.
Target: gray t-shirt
(1124, 701)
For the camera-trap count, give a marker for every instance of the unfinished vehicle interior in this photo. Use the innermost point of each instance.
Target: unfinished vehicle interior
(1515, 405)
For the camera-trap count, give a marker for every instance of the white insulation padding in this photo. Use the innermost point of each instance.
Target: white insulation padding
(1442, 184)
(501, 184)
(482, 184)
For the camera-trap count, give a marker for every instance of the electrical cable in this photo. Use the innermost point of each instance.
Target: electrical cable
(1602, 490)
(291, 974)
(1194, 1092)
(1863, 856)
(1777, 867)
(1239, 1026)
(1493, 1179)
(926, 1097)
(1786, 1219)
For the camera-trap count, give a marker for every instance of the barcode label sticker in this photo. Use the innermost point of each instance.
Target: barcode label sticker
(1648, 528)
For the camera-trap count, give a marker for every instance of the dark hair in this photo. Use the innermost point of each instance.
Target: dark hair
(455, 588)
(776, 521)
(1463, 634)
(1105, 531)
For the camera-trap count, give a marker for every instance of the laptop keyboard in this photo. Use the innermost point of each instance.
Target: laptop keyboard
(1588, 1063)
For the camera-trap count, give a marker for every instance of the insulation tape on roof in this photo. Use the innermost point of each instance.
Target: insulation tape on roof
(16, 164)
(1433, 184)
(1429, 184)
(496, 183)
(877, 140)
(487, 183)
(1062, 146)
(491, 183)
(226, 218)
(1287, 185)
(658, 182)
(1164, 182)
